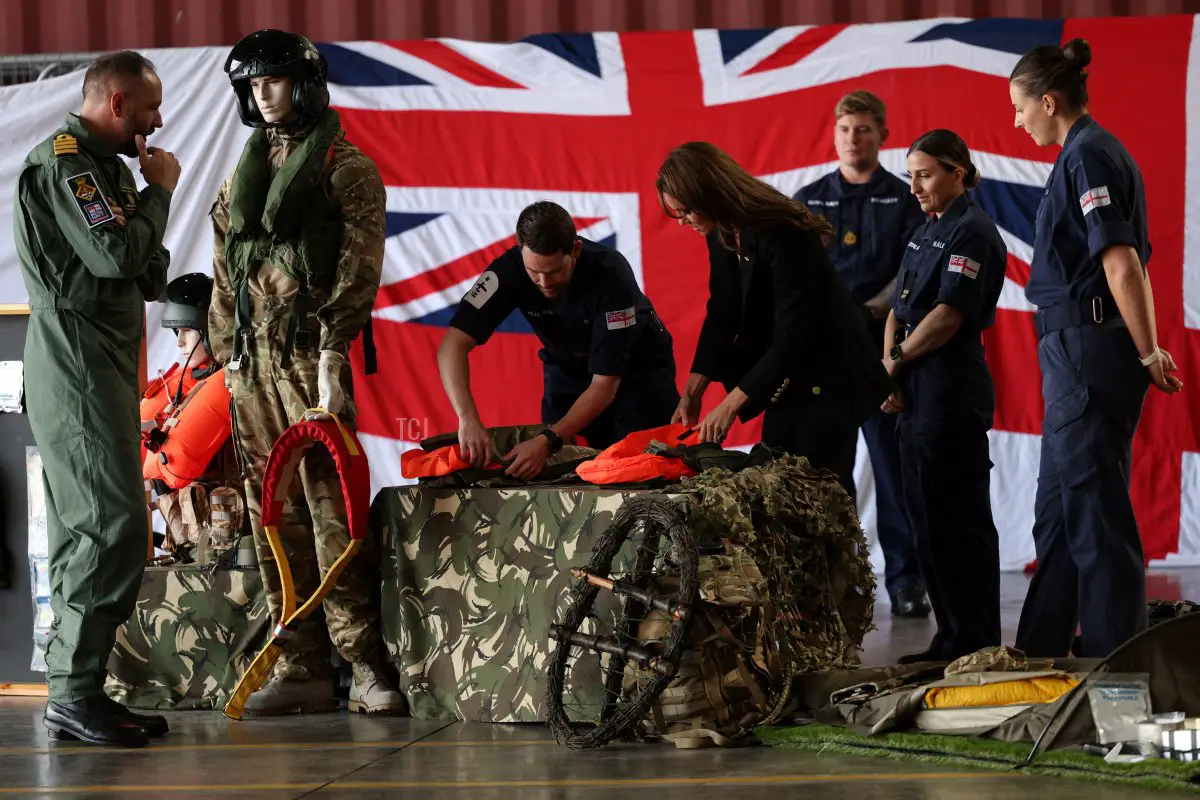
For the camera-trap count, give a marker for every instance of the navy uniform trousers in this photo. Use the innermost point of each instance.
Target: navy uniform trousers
(901, 569)
(1091, 568)
(946, 480)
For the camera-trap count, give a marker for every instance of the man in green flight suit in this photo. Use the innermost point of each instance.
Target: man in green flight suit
(299, 233)
(91, 253)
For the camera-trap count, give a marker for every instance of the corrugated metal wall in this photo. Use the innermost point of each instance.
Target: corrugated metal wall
(47, 26)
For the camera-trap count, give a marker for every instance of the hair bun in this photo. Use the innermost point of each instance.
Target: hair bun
(1077, 53)
(971, 179)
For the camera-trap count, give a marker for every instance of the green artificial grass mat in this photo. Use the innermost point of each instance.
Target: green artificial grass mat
(987, 753)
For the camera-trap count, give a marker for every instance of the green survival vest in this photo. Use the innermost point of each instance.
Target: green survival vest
(286, 220)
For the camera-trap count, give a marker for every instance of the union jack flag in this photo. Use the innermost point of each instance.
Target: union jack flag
(466, 134)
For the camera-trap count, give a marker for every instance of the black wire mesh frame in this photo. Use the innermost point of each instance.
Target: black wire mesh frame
(661, 518)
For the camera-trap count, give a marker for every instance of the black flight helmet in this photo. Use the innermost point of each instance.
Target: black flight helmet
(188, 297)
(271, 52)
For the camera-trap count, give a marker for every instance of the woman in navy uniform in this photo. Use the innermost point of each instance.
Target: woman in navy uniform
(781, 332)
(1098, 352)
(945, 297)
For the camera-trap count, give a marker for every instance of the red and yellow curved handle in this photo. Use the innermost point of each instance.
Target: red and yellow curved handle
(354, 474)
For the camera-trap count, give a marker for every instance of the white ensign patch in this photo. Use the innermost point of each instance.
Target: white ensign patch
(621, 319)
(483, 289)
(964, 265)
(1094, 199)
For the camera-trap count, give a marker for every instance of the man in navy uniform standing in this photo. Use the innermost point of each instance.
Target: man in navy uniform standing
(873, 214)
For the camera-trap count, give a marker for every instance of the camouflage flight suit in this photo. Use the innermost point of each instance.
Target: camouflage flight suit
(276, 383)
(88, 278)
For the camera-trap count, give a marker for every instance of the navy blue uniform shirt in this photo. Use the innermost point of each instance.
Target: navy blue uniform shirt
(601, 325)
(1094, 198)
(958, 259)
(872, 222)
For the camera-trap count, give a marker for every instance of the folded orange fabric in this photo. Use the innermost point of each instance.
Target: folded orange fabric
(1045, 689)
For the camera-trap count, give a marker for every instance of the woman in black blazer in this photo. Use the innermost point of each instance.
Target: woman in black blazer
(781, 332)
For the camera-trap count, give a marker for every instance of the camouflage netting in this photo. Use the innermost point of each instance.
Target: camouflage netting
(803, 531)
(792, 593)
(786, 587)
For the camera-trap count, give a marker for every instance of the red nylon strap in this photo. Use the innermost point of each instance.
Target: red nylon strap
(353, 471)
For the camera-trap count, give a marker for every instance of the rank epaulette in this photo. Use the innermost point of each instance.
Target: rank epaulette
(65, 145)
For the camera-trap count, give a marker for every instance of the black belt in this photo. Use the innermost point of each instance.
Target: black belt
(1093, 311)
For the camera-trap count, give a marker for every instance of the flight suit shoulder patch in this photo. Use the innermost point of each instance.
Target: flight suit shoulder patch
(66, 145)
(86, 192)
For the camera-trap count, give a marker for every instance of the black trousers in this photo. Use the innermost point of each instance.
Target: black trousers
(816, 432)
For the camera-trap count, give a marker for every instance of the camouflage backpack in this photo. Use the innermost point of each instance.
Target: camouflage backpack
(721, 688)
(202, 523)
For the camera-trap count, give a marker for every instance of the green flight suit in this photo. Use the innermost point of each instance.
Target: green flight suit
(87, 278)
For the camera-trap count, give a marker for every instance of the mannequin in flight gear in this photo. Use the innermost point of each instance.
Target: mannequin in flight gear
(299, 234)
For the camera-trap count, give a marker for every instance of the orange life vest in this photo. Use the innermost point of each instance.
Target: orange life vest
(627, 462)
(418, 463)
(195, 430)
(156, 400)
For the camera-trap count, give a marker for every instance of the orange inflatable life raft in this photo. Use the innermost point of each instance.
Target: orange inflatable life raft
(627, 461)
(195, 431)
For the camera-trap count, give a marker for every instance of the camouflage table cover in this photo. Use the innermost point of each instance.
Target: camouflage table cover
(194, 632)
(472, 581)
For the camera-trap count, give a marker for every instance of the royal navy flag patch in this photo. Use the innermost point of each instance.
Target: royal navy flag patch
(964, 265)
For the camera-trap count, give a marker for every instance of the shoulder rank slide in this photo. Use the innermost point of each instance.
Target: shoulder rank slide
(65, 145)
(91, 200)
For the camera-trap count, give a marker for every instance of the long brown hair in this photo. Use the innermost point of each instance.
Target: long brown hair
(704, 179)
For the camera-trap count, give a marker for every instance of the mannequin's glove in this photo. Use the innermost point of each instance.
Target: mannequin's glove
(329, 385)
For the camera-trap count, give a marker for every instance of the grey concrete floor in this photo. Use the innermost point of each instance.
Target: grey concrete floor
(348, 756)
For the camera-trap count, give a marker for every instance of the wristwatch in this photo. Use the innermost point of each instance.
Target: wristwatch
(896, 354)
(556, 442)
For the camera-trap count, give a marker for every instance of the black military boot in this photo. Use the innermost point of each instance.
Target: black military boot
(154, 724)
(910, 602)
(92, 719)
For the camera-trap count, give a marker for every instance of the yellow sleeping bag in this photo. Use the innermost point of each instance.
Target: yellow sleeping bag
(1045, 689)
